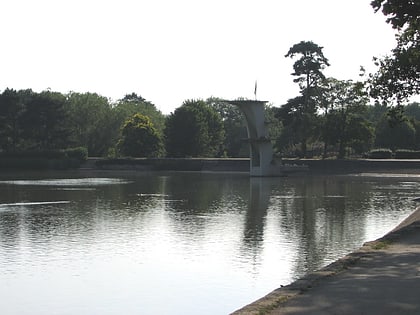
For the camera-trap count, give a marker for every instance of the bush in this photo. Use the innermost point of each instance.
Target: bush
(407, 154)
(380, 154)
(139, 138)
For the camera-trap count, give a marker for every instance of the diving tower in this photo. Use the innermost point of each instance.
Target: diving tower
(262, 160)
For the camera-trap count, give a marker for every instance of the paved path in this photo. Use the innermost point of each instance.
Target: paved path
(383, 277)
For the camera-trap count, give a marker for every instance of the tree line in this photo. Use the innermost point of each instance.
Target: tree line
(328, 118)
(337, 122)
(50, 120)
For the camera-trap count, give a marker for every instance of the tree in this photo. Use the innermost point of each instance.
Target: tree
(360, 134)
(92, 122)
(413, 110)
(195, 130)
(132, 104)
(375, 112)
(299, 125)
(308, 72)
(398, 74)
(233, 125)
(308, 67)
(11, 109)
(345, 125)
(275, 126)
(291, 115)
(401, 135)
(43, 122)
(140, 138)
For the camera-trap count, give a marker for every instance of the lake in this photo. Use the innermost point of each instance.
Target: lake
(180, 243)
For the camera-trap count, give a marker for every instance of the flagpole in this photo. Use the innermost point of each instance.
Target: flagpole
(255, 90)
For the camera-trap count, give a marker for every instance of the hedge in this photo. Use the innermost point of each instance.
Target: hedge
(380, 154)
(407, 154)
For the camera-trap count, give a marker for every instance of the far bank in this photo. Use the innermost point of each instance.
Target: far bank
(315, 166)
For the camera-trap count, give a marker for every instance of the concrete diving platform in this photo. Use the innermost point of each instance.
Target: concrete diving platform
(262, 160)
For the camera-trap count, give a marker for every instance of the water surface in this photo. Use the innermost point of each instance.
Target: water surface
(180, 243)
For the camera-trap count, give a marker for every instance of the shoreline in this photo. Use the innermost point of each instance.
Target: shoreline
(290, 299)
(226, 165)
(314, 166)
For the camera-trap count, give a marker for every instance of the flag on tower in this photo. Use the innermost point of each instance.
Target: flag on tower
(255, 89)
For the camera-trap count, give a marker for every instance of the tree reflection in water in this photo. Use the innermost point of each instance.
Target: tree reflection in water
(222, 240)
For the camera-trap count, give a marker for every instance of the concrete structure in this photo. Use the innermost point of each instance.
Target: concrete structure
(262, 162)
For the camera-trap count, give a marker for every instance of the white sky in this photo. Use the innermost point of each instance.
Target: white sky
(171, 50)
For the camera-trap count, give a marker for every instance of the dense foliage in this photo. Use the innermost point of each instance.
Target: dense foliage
(91, 122)
(194, 130)
(308, 72)
(334, 118)
(139, 138)
(341, 124)
(234, 127)
(31, 121)
(345, 125)
(399, 73)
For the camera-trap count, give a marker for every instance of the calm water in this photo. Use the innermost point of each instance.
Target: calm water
(180, 243)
